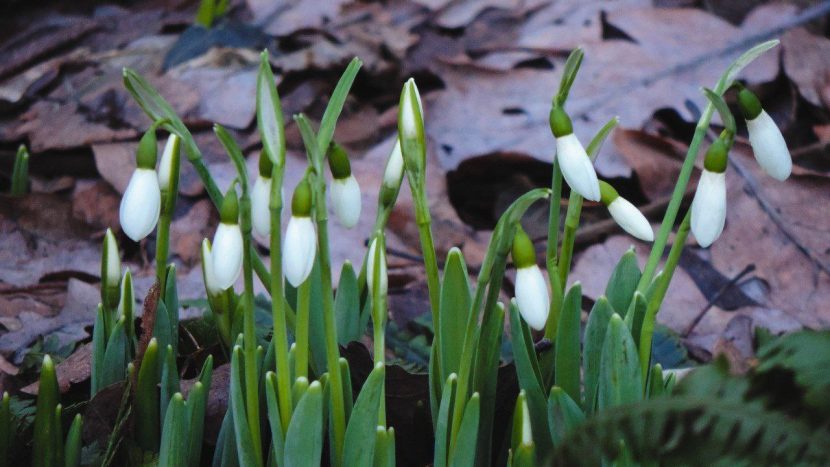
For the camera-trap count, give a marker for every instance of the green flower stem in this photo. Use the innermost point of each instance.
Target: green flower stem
(551, 259)
(379, 326)
(664, 279)
(303, 312)
(569, 235)
(424, 220)
(168, 206)
(280, 333)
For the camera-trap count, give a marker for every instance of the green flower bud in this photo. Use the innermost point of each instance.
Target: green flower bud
(560, 122)
(229, 212)
(301, 201)
(524, 254)
(339, 161)
(716, 156)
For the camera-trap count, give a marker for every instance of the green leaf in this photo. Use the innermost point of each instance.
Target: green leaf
(161, 330)
(567, 343)
(99, 347)
(269, 118)
(568, 76)
(225, 454)
(173, 450)
(464, 452)
(72, 448)
(304, 440)
(745, 59)
(197, 407)
(204, 15)
(595, 332)
(442, 435)
(360, 433)
(384, 447)
(620, 378)
(563, 415)
(723, 110)
(317, 334)
(487, 370)
(347, 306)
(235, 153)
(248, 454)
(115, 357)
(171, 301)
(169, 381)
(43, 451)
(623, 282)
(6, 429)
(348, 399)
(20, 172)
(635, 315)
(147, 400)
(277, 436)
(335, 105)
(455, 310)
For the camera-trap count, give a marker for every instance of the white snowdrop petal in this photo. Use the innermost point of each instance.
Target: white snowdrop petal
(631, 219)
(532, 296)
(709, 207)
(166, 164)
(383, 277)
(577, 168)
(769, 146)
(207, 269)
(260, 210)
(141, 204)
(299, 249)
(346, 201)
(112, 259)
(394, 167)
(408, 118)
(227, 254)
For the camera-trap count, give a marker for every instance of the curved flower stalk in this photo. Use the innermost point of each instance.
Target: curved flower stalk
(344, 189)
(300, 246)
(765, 137)
(625, 214)
(574, 162)
(709, 204)
(226, 253)
(261, 198)
(141, 204)
(531, 287)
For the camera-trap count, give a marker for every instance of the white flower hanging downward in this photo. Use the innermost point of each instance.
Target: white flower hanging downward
(766, 139)
(227, 250)
(300, 245)
(261, 197)
(625, 214)
(709, 205)
(531, 288)
(141, 204)
(344, 189)
(576, 166)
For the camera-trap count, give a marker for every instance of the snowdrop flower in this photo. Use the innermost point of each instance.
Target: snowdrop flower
(169, 165)
(765, 138)
(576, 166)
(261, 198)
(141, 204)
(531, 288)
(344, 190)
(392, 177)
(227, 250)
(208, 276)
(709, 204)
(300, 244)
(625, 214)
(110, 271)
(411, 130)
(379, 255)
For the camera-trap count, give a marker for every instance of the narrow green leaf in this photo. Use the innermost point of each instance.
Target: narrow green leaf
(656, 382)
(5, 429)
(486, 376)
(161, 330)
(635, 315)
(620, 377)
(384, 447)
(204, 15)
(225, 454)
(274, 419)
(567, 343)
(623, 282)
(745, 59)
(147, 400)
(442, 435)
(568, 76)
(169, 381)
(57, 444)
(20, 172)
(298, 390)
(72, 448)
(304, 440)
(43, 452)
(358, 448)
(171, 301)
(563, 415)
(197, 407)
(348, 399)
(173, 450)
(335, 105)
(464, 452)
(595, 331)
(269, 118)
(115, 356)
(347, 306)
(247, 453)
(235, 153)
(723, 110)
(99, 347)
(455, 310)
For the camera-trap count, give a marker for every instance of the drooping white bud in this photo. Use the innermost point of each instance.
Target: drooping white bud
(299, 249)
(141, 204)
(576, 166)
(709, 207)
(769, 146)
(346, 200)
(631, 219)
(227, 254)
(532, 296)
(211, 284)
(260, 208)
(383, 277)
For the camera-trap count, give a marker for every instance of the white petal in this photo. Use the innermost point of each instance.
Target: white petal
(383, 277)
(409, 121)
(112, 259)
(166, 164)
(769, 146)
(577, 167)
(298, 250)
(141, 204)
(345, 200)
(260, 211)
(631, 219)
(709, 207)
(394, 167)
(227, 254)
(532, 296)
(207, 270)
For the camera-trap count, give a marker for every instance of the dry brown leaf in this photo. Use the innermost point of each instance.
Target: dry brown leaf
(656, 161)
(187, 231)
(806, 64)
(97, 205)
(75, 369)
